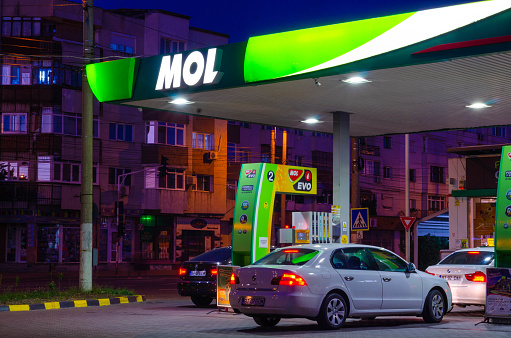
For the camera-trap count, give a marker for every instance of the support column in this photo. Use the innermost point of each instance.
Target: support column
(341, 170)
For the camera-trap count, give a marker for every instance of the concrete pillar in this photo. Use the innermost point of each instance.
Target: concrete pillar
(342, 169)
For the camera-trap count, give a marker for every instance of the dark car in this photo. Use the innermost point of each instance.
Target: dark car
(197, 277)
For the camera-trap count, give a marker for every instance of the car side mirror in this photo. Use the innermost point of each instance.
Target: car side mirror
(411, 267)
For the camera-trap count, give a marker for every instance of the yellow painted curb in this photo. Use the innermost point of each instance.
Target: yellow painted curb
(80, 303)
(52, 305)
(104, 301)
(19, 307)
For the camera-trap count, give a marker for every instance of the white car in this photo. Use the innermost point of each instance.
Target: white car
(465, 270)
(331, 282)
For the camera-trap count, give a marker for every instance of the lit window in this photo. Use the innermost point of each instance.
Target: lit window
(14, 123)
(13, 171)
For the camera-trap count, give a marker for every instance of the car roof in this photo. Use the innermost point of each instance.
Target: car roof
(330, 246)
(481, 248)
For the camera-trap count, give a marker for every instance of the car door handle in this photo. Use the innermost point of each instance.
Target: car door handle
(348, 278)
(387, 279)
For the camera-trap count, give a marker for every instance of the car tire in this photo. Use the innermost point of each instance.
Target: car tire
(266, 321)
(201, 301)
(333, 312)
(434, 307)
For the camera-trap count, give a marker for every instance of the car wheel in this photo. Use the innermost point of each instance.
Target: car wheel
(434, 307)
(201, 301)
(333, 312)
(266, 321)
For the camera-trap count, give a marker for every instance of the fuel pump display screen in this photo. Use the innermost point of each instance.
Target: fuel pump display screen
(301, 236)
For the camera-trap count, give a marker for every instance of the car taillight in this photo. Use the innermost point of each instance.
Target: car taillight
(234, 279)
(289, 279)
(214, 272)
(477, 276)
(429, 272)
(182, 271)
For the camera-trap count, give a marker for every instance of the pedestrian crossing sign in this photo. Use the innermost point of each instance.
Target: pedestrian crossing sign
(359, 219)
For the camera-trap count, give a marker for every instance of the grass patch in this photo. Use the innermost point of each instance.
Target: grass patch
(52, 294)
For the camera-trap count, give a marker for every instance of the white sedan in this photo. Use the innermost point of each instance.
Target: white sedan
(465, 270)
(331, 282)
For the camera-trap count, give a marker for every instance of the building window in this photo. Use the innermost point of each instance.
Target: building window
(13, 171)
(498, 131)
(413, 174)
(47, 72)
(204, 183)
(120, 132)
(122, 43)
(437, 174)
(168, 46)
(113, 176)
(413, 205)
(10, 75)
(231, 152)
(54, 121)
(372, 168)
(203, 141)
(173, 180)
(387, 172)
(436, 203)
(49, 170)
(14, 123)
(16, 26)
(165, 133)
(387, 142)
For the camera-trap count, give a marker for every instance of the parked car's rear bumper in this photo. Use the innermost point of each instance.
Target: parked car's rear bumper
(197, 288)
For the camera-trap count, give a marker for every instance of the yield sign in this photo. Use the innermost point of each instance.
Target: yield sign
(407, 221)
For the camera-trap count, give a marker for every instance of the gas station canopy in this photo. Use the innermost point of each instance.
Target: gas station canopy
(423, 70)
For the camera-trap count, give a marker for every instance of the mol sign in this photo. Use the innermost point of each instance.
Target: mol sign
(174, 71)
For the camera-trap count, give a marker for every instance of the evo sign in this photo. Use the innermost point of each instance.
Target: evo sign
(195, 69)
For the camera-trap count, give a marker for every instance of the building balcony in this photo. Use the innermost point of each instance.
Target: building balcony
(24, 195)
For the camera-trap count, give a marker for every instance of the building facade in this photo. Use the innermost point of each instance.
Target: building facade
(168, 216)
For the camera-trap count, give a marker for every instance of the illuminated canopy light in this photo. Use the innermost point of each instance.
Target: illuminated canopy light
(181, 101)
(267, 57)
(311, 121)
(355, 80)
(478, 105)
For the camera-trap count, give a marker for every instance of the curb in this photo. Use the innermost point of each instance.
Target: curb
(73, 303)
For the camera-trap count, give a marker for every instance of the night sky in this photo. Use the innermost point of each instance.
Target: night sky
(243, 19)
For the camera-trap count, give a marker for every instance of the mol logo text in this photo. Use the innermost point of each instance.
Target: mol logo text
(195, 70)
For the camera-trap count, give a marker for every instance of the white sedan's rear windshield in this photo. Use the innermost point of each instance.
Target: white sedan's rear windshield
(288, 257)
(469, 258)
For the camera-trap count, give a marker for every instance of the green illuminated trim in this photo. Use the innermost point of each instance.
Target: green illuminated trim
(112, 80)
(277, 55)
(303, 51)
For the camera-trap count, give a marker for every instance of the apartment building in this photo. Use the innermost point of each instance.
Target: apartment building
(168, 216)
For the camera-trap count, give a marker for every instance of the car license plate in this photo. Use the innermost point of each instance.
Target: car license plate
(196, 273)
(451, 277)
(253, 301)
